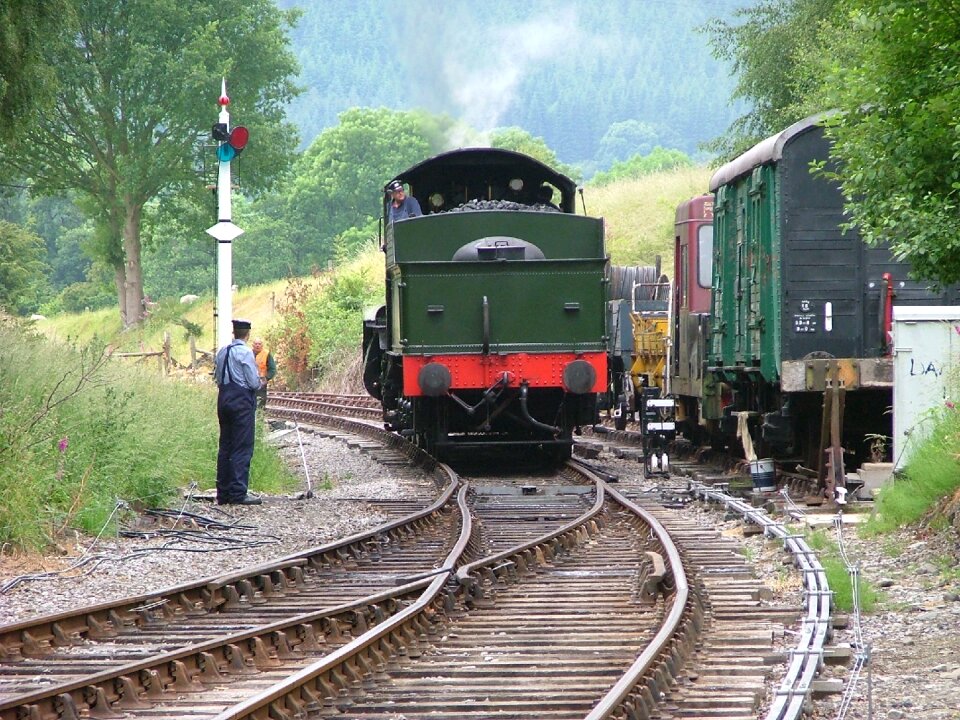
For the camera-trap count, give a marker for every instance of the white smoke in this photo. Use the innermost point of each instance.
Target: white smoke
(484, 83)
(475, 72)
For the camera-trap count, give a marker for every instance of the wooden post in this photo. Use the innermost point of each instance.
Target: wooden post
(193, 353)
(166, 353)
(830, 471)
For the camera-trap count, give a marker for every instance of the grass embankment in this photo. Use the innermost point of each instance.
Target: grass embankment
(929, 489)
(639, 213)
(80, 432)
(257, 303)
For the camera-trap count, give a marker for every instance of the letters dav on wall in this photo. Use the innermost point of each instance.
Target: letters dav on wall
(926, 353)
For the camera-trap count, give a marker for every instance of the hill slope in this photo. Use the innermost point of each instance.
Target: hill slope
(564, 71)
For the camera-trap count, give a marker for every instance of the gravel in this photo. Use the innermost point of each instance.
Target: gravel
(914, 634)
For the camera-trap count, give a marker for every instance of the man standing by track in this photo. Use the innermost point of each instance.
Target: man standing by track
(235, 372)
(266, 367)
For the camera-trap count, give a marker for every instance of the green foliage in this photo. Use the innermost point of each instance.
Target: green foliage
(839, 578)
(932, 474)
(95, 292)
(893, 76)
(772, 46)
(58, 221)
(319, 330)
(136, 88)
(638, 214)
(335, 317)
(350, 243)
(820, 541)
(519, 140)
(658, 160)
(21, 268)
(79, 432)
(338, 183)
(890, 68)
(27, 82)
(841, 583)
(80, 296)
(630, 138)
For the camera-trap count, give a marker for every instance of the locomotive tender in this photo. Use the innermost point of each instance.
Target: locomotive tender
(790, 336)
(493, 330)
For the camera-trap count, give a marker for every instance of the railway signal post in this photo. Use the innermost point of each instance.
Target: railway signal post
(224, 231)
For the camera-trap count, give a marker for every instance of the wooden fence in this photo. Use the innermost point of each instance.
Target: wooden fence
(163, 356)
(165, 361)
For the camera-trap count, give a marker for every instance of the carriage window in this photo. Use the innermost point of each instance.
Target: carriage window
(705, 255)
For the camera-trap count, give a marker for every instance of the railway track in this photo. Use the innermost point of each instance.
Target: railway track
(143, 639)
(355, 406)
(526, 596)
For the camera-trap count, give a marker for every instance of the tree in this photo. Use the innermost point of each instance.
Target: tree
(658, 160)
(137, 85)
(893, 76)
(770, 50)
(519, 140)
(625, 139)
(338, 183)
(22, 268)
(27, 81)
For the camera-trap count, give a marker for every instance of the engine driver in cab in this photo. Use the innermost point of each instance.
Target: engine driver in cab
(401, 206)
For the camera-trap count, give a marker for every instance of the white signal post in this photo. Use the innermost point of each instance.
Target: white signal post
(225, 232)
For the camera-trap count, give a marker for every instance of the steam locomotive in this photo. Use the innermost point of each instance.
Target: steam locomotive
(493, 329)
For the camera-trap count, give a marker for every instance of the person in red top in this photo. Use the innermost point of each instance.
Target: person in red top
(266, 368)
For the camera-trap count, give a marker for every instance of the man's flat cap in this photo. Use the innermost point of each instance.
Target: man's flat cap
(239, 324)
(394, 186)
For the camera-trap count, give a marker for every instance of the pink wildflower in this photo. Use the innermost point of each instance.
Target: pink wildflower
(64, 442)
(950, 404)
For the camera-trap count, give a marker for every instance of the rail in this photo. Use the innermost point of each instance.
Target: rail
(792, 697)
(656, 666)
(323, 682)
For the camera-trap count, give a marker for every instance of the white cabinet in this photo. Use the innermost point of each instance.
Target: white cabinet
(926, 343)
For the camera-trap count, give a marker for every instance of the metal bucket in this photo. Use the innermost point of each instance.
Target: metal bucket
(764, 475)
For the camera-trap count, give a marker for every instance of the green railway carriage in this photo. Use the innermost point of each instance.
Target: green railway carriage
(801, 307)
(493, 330)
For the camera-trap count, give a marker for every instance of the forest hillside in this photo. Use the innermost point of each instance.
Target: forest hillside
(598, 81)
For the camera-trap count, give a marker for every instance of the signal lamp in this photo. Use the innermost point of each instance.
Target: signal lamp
(236, 141)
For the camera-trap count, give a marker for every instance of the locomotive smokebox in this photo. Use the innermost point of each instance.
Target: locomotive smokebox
(434, 379)
(579, 377)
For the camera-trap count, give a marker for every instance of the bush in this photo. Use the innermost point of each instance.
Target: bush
(321, 325)
(335, 317)
(932, 474)
(87, 295)
(659, 160)
(80, 432)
